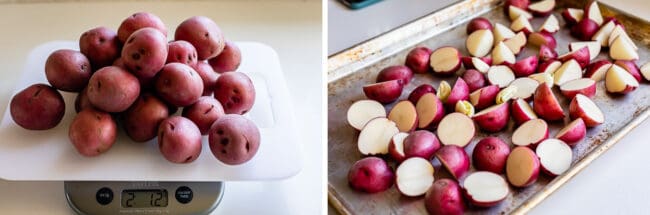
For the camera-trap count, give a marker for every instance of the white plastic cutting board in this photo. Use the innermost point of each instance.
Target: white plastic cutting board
(48, 155)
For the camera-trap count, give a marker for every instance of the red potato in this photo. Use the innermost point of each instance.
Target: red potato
(396, 147)
(482, 64)
(522, 25)
(179, 140)
(585, 29)
(484, 97)
(621, 49)
(522, 167)
(229, 59)
(384, 92)
(584, 86)
(142, 119)
(181, 52)
(549, 67)
(370, 175)
(515, 12)
(430, 111)
(592, 12)
(525, 88)
(92, 132)
(517, 43)
(516, 3)
(445, 61)
(113, 89)
(101, 46)
(631, 67)
(485, 189)
(478, 23)
(376, 135)
(542, 8)
(401, 73)
(419, 91)
(138, 21)
(521, 111)
(208, 76)
(68, 70)
(554, 156)
(422, 143)
(479, 43)
(501, 32)
(362, 111)
(37, 107)
(490, 154)
(418, 60)
(581, 56)
(179, 85)
(545, 105)
(444, 197)
(203, 34)
(204, 112)
(542, 38)
(645, 71)
(145, 53)
(583, 107)
(597, 69)
(494, 118)
(454, 159)
(236, 92)
(500, 75)
(234, 139)
(404, 115)
(572, 16)
(459, 92)
(525, 67)
(530, 133)
(502, 55)
(603, 34)
(414, 176)
(573, 133)
(592, 46)
(619, 81)
(474, 79)
(546, 53)
(81, 101)
(456, 129)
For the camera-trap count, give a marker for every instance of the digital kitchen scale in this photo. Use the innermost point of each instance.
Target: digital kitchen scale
(90, 197)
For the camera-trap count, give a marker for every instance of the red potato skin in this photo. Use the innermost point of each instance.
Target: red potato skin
(591, 69)
(444, 197)
(142, 119)
(439, 115)
(401, 73)
(418, 60)
(422, 144)
(204, 113)
(490, 154)
(181, 52)
(145, 53)
(585, 29)
(494, 121)
(630, 67)
(204, 34)
(468, 64)
(113, 89)
(208, 75)
(459, 92)
(455, 160)
(37, 107)
(92, 132)
(581, 56)
(229, 59)
(478, 23)
(518, 114)
(119, 62)
(544, 65)
(81, 101)
(68, 70)
(546, 105)
(523, 4)
(573, 137)
(179, 140)
(384, 92)
(588, 92)
(371, 175)
(568, 19)
(575, 113)
(235, 91)
(525, 67)
(420, 91)
(536, 165)
(392, 151)
(487, 97)
(138, 21)
(547, 53)
(179, 85)
(234, 139)
(474, 79)
(542, 38)
(101, 46)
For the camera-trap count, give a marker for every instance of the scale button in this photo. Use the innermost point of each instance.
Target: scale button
(184, 194)
(104, 196)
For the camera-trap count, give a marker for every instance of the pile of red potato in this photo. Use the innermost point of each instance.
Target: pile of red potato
(493, 88)
(135, 76)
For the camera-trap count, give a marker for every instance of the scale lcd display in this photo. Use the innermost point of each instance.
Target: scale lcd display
(144, 198)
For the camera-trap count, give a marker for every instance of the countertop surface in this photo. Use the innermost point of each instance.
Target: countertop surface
(613, 183)
(291, 27)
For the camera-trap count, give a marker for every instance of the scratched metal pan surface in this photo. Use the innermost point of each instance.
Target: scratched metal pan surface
(358, 66)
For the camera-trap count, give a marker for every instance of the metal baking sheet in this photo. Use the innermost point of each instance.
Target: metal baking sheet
(358, 66)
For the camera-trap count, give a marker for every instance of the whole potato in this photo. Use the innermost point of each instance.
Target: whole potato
(203, 34)
(113, 89)
(142, 119)
(37, 107)
(204, 113)
(92, 132)
(371, 175)
(81, 101)
(68, 70)
(228, 60)
(178, 84)
(236, 92)
(208, 76)
(179, 140)
(234, 139)
(145, 53)
(138, 21)
(181, 52)
(101, 46)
